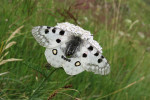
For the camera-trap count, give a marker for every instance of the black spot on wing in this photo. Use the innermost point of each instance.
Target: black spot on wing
(102, 56)
(100, 60)
(46, 31)
(84, 55)
(61, 32)
(54, 30)
(58, 40)
(90, 48)
(48, 27)
(96, 54)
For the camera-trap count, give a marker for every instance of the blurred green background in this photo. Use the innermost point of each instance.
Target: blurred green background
(122, 27)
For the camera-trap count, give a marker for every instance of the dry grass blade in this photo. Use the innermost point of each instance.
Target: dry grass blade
(52, 95)
(14, 33)
(131, 26)
(117, 91)
(9, 45)
(71, 90)
(65, 88)
(4, 56)
(3, 73)
(9, 60)
(69, 96)
(1, 48)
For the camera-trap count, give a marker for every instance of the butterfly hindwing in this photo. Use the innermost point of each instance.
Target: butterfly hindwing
(93, 60)
(53, 56)
(74, 66)
(56, 57)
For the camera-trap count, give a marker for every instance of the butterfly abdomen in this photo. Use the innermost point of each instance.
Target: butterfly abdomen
(72, 46)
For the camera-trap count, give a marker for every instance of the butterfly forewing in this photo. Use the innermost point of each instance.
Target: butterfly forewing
(50, 36)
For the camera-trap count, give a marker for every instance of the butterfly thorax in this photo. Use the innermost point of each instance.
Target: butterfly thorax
(72, 46)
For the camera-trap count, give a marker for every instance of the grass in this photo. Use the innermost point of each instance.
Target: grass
(121, 28)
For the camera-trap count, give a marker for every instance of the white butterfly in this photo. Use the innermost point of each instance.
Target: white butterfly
(72, 48)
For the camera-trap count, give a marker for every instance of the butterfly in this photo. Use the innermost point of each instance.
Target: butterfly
(71, 47)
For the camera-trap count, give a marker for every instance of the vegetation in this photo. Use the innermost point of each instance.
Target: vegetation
(122, 27)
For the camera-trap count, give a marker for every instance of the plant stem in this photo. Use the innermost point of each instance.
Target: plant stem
(43, 81)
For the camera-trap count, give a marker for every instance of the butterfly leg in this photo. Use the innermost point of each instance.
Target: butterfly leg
(48, 66)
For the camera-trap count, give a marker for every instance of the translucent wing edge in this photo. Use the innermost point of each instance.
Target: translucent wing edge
(39, 37)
